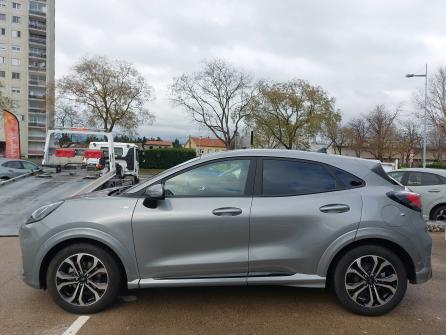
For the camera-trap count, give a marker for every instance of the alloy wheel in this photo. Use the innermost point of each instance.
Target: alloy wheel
(81, 279)
(441, 215)
(371, 281)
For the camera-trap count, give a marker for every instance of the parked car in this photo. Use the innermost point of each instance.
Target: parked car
(256, 217)
(430, 184)
(10, 168)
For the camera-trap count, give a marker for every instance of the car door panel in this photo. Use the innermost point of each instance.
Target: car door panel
(289, 234)
(183, 238)
(201, 228)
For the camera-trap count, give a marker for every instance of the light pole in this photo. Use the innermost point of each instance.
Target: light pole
(411, 75)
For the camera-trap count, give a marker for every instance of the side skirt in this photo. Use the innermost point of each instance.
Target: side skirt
(297, 280)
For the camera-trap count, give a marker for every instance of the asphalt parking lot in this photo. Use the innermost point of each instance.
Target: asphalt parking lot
(221, 310)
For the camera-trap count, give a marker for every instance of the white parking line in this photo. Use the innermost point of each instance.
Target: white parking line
(76, 325)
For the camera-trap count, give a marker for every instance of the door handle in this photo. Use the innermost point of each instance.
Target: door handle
(434, 191)
(334, 208)
(227, 211)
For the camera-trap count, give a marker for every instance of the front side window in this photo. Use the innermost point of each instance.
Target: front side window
(293, 177)
(29, 166)
(220, 179)
(423, 179)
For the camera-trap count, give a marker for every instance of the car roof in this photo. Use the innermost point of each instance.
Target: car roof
(3, 159)
(441, 172)
(298, 154)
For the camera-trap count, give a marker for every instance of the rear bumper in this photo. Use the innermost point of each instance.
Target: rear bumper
(424, 274)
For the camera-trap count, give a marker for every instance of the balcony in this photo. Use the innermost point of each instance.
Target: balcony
(36, 139)
(37, 26)
(39, 125)
(39, 55)
(37, 68)
(37, 111)
(37, 40)
(36, 12)
(37, 96)
(32, 82)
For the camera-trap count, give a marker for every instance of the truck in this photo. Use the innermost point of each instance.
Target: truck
(66, 173)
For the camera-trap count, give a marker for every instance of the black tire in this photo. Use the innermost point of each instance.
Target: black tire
(439, 213)
(383, 298)
(107, 261)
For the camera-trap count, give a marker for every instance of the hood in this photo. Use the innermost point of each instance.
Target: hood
(99, 194)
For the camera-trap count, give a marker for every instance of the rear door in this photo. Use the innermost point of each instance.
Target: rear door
(298, 210)
(15, 168)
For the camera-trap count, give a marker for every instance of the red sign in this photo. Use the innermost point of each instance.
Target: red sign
(12, 135)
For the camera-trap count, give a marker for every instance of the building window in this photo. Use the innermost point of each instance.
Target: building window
(2, 3)
(15, 61)
(16, 19)
(2, 46)
(15, 90)
(16, 48)
(2, 17)
(15, 75)
(2, 74)
(2, 60)
(16, 33)
(16, 5)
(3, 31)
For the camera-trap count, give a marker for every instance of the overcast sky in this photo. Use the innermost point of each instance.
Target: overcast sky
(359, 51)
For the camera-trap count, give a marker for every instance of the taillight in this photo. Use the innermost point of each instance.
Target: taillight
(408, 199)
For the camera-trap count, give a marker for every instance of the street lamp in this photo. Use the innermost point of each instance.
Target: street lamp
(411, 75)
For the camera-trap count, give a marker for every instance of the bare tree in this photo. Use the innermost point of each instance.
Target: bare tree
(338, 135)
(409, 139)
(436, 100)
(216, 97)
(112, 93)
(357, 135)
(381, 132)
(291, 112)
(67, 115)
(436, 140)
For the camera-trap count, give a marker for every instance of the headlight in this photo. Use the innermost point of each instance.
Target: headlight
(42, 212)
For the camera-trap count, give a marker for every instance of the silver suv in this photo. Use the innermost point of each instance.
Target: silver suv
(252, 217)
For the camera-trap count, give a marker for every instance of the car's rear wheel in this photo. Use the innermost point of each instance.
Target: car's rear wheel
(439, 213)
(83, 278)
(370, 280)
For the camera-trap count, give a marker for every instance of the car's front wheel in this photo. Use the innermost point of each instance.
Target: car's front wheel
(370, 280)
(83, 278)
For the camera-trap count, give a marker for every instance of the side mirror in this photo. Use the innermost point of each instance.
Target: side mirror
(153, 194)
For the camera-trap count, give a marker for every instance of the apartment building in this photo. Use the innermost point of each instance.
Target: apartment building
(27, 68)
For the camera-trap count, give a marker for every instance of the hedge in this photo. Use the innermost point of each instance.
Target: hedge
(164, 158)
(436, 165)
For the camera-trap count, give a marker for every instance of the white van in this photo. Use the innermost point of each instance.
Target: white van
(124, 152)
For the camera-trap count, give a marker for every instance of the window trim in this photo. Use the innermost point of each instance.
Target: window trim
(259, 177)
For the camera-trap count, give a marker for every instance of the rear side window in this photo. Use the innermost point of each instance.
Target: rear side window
(349, 180)
(14, 165)
(378, 169)
(397, 175)
(293, 177)
(423, 179)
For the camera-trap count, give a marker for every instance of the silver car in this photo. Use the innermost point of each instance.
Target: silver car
(10, 168)
(430, 184)
(251, 217)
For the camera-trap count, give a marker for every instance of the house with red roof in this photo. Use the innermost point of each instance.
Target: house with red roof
(158, 144)
(205, 145)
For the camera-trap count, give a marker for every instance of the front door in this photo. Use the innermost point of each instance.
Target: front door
(201, 228)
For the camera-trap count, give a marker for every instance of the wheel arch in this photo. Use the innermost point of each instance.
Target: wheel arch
(393, 246)
(126, 262)
(432, 210)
